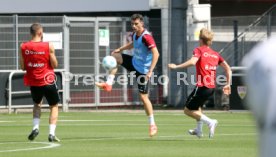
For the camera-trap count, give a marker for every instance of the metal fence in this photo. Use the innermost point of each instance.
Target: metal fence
(85, 57)
(79, 57)
(14, 30)
(258, 30)
(80, 54)
(250, 31)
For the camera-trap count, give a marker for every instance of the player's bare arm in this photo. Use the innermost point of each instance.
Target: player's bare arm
(21, 60)
(191, 62)
(228, 71)
(155, 56)
(53, 58)
(125, 47)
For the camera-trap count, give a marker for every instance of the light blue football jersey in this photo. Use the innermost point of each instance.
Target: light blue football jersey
(142, 56)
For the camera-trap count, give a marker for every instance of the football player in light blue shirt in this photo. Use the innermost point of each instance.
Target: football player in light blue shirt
(143, 61)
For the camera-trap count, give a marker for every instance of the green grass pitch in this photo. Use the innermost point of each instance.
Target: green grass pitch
(125, 134)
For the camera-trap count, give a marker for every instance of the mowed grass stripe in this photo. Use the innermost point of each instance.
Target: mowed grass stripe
(126, 134)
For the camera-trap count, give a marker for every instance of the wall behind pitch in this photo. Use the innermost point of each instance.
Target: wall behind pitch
(65, 6)
(18, 85)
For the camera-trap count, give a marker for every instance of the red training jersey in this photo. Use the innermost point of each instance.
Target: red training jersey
(206, 66)
(39, 71)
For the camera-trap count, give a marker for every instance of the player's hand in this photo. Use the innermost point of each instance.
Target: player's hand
(148, 75)
(116, 51)
(172, 66)
(227, 89)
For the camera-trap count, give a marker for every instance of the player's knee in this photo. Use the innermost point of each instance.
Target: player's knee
(54, 108)
(54, 105)
(186, 111)
(144, 96)
(53, 117)
(118, 58)
(37, 103)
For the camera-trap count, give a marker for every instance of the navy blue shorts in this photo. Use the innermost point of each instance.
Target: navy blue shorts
(143, 85)
(198, 97)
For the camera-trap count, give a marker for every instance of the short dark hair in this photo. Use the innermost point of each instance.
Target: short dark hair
(137, 16)
(34, 28)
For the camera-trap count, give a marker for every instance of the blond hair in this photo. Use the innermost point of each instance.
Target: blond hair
(206, 36)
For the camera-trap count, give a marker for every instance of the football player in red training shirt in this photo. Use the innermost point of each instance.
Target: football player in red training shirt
(206, 60)
(39, 60)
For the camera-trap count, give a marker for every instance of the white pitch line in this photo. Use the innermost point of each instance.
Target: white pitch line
(52, 145)
(242, 134)
(106, 120)
(48, 146)
(119, 124)
(6, 121)
(156, 137)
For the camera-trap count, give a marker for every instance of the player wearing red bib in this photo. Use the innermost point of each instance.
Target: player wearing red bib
(38, 59)
(206, 61)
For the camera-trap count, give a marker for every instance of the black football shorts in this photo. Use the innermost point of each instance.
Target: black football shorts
(49, 91)
(143, 85)
(198, 97)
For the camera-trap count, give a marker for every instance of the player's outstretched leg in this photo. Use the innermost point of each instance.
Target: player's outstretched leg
(104, 86)
(107, 86)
